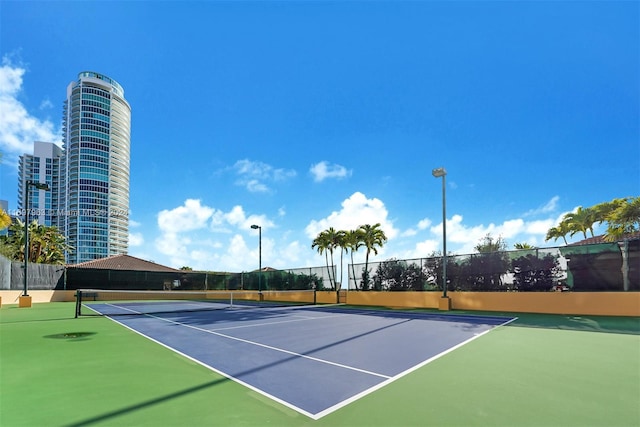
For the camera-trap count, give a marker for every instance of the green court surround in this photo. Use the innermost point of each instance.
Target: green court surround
(542, 370)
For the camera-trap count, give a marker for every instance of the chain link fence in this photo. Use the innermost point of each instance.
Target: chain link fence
(596, 267)
(268, 279)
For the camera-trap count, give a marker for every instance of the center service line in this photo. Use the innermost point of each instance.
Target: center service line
(315, 359)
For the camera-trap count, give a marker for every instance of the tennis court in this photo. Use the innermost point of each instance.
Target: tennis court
(538, 370)
(314, 359)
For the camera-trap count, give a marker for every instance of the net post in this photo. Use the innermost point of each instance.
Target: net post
(78, 302)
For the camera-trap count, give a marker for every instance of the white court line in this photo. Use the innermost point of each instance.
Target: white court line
(281, 350)
(316, 416)
(219, 372)
(254, 325)
(402, 374)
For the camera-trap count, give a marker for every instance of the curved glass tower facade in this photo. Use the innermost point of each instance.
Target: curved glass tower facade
(97, 130)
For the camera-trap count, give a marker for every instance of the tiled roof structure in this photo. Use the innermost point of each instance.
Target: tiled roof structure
(600, 239)
(124, 262)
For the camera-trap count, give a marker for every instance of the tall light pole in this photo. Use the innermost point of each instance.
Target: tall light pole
(27, 185)
(257, 227)
(442, 172)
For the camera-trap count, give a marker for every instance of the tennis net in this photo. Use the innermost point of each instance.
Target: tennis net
(108, 302)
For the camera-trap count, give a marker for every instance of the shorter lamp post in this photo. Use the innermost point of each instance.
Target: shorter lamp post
(257, 227)
(39, 186)
(442, 172)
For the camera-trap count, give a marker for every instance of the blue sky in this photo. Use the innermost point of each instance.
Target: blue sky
(302, 115)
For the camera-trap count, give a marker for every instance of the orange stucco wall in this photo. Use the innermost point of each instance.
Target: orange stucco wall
(578, 303)
(575, 303)
(12, 297)
(326, 297)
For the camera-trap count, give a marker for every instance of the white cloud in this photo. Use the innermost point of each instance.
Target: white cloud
(424, 224)
(549, 207)
(426, 248)
(235, 257)
(173, 245)
(409, 232)
(46, 104)
(218, 222)
(10, 77)
(190, 236)
(255, 175)
(539, 227)
(183, 241)
(18, 128)
(357, 210)
(190, 216)
(199, 259)
(255, 186)
(323, 170)
(462, 239)
(250, 168)
(283, 174)
(237, 217)
(511, 228)
(242, 254)
(292, 254)
(136, 239)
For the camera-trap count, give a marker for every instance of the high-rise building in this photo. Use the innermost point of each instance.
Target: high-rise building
(97, 130)
(44, 166)
(88, 197)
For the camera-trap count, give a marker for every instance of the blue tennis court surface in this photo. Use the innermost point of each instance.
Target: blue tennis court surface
(313, 359)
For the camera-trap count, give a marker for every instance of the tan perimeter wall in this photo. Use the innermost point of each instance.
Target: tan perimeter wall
(577, 303)
(11, 297)
(574, 303)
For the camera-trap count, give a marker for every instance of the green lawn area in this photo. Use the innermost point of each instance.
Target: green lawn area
(541, 370)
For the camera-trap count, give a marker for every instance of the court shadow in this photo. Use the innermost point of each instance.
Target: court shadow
(604, 324)
(588, 323)
(142, 405)
(149, 403)
(398, 318)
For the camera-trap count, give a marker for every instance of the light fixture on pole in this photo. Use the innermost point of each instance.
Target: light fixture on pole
(442, 172)
(257, 227)
(27, 185)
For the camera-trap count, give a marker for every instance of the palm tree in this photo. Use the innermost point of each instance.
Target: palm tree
(37, 236)
(489, 244)
(55, 246)
(341, 242)
(602, 211)
(623, 219)
(334, 238)
(524, 245)
(371, 237)
(321, 244)
(353, 242)
(557, 232)
(580, 221)
(326, 242)
(46, 244)
(13, 243)
(622, 216)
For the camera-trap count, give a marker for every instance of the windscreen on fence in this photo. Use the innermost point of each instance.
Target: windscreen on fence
(109, 302)
(595, 267)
